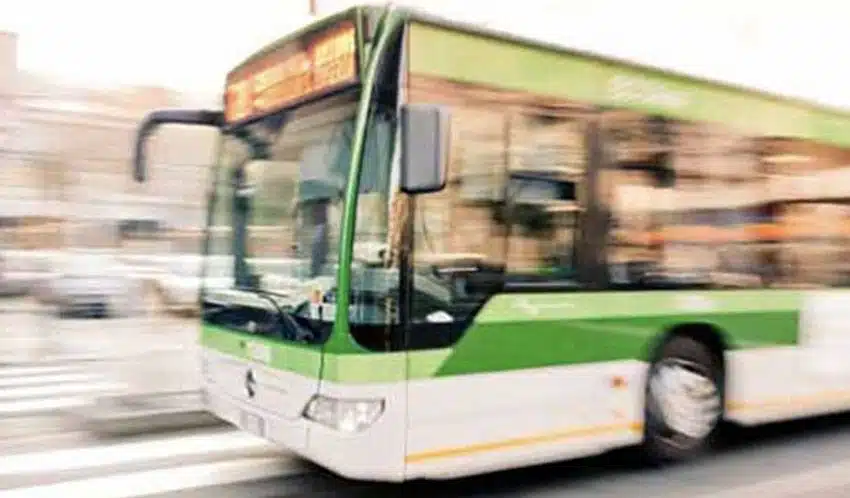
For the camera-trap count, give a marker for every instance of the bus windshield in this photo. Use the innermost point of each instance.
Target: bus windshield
(278, 204)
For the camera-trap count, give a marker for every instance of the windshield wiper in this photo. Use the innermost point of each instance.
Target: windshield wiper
(299, 332)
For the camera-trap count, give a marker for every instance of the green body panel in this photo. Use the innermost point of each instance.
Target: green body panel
(470, 57)
(516, 331)
(348, 367)
(284, 356)
(539, 330)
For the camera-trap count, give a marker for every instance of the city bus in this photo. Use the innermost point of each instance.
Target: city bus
(441, 250)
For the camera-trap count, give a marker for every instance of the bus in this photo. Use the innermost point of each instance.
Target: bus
(451, 250)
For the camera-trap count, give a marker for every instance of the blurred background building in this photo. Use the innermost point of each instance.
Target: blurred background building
(65, 153)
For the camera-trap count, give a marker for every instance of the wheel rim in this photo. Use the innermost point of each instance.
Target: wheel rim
(686, 399)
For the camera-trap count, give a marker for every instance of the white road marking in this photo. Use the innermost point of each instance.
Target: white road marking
(44, 391)
(804, 483)
(19, 407)
(51, 438)
(158, 481)
(36, 389)
(32, 370)
(46, 379)
(124, 453)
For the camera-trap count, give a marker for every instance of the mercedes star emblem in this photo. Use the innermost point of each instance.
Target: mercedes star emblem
(250, 384)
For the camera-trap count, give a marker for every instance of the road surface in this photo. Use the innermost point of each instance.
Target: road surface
(48, 364)
(809, 458)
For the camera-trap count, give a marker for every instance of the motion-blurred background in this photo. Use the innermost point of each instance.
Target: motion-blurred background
(99, 275)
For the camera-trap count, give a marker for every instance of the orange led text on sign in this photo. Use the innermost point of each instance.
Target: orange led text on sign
(283, 78)
(333, 59)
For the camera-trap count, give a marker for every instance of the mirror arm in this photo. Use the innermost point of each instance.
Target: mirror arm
(156, 119)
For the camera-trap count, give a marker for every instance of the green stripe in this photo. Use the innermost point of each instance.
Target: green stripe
(473, 58)
(539, 330)
(345, 368)
(297, 358)
(630, 304)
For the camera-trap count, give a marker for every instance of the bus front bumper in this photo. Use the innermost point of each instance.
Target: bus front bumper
(369, 455)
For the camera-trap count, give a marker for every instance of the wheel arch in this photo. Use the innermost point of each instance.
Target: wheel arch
(708, 334)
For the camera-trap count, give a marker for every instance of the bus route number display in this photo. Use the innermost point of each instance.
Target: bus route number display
(287, 76)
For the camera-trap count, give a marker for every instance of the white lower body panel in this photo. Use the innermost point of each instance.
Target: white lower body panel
(275, 413)
(486, 422)
(448, 427)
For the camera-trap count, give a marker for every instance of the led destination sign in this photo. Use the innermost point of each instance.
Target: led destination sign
(292, 73)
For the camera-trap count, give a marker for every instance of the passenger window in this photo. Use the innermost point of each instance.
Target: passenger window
(545, 172)
(685, 201)
(459, 246)
(507, 216)
(806, 189)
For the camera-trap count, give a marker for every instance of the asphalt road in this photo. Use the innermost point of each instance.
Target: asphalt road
(807, 458)
(49, 365)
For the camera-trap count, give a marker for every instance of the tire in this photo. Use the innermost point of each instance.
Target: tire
(686, 364)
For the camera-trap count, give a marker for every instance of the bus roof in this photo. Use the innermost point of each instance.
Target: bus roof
(832, 123)
(504, 35)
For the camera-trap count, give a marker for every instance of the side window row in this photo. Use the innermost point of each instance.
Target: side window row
(688, 201)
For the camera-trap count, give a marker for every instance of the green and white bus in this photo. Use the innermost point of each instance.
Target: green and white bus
(435, 250)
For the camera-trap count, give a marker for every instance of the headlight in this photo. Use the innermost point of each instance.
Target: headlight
(344, 415)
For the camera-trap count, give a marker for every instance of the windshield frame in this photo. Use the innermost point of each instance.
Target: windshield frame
(380, 69)
(318, 167)
(224, 190)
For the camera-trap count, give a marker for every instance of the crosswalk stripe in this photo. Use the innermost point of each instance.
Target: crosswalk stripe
(31, 390)
(33, 370)
(32, 406)
(49, 437)
(127, 453)
(60, 389)
(152, 482)
(58, 378)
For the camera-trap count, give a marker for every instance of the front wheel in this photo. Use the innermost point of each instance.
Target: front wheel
(684, 401)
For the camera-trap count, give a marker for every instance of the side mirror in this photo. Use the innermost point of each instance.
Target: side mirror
(171, 116)
(424, 148)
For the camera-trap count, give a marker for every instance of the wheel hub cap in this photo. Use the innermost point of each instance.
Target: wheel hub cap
(688, 402)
